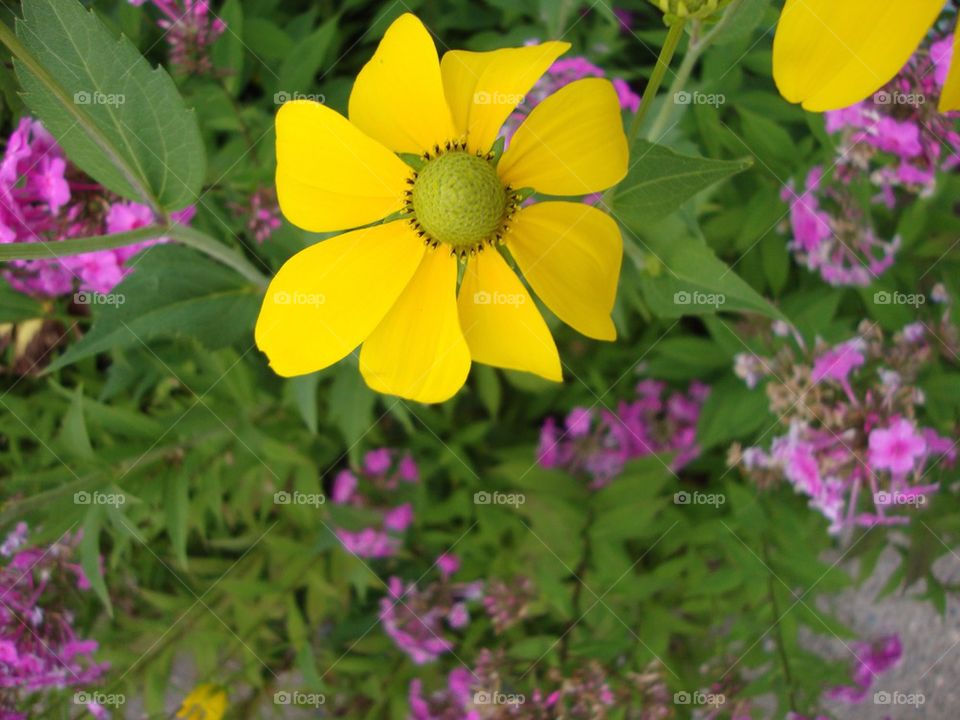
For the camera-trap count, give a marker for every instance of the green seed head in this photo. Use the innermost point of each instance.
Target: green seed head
(458, 199)
(689, 8)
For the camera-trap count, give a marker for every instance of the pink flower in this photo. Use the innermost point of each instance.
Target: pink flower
(896, 448)
(448, 564)
(344, 486)
(399, 519)
(377, 462)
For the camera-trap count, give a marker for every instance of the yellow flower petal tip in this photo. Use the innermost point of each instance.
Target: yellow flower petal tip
(391, 288)
(204, 702)
(830, 54)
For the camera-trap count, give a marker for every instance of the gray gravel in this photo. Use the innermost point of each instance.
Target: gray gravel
(931, 645)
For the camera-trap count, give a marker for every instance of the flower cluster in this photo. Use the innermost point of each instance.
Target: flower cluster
(895, 141)
(261, 213)
(872, 658)
(507, 603)
(599, 444)
(853, 443)
(483, 694)
(190, 28)
(381, 477)
(43, 198)
(39, 646)
(415, 618)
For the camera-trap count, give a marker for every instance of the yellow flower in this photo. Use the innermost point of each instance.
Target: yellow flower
(393, 285)
(205, 702)
(830, 54)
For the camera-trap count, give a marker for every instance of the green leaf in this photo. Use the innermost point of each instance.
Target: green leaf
(732, 412)
(351, 404)
(173, 291)
(78, 246)
(15, 306)
(660, 181)
(307, 57)
(90, 555)
(228, 51)
(303, 392)
(73, 430)
(694, 281)
(177, 503)
(120, 121)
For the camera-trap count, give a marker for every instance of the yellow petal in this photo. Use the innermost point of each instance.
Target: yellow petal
(330, 176)
(328, 298)
(570, 254)
(398, 96)
(571, 144)
(502, 325)
(418, 351)
(483, 88)
(830, 54)
(950, 97)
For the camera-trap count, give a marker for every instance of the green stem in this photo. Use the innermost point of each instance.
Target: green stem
(186, 235)
(77, 246)
(695, 50)
(656, 78)
(8, 38)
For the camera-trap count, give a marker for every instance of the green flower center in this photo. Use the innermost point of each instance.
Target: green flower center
(457, 199)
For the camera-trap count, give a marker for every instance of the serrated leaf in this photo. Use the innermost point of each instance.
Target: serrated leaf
(303, 392)
(120, 121)
(661, 180)
(174, 291)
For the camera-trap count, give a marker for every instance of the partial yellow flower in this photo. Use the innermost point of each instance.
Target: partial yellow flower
(830, 54)
(205, 702)
(424, 283)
